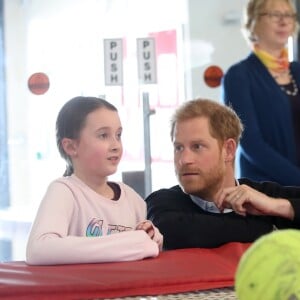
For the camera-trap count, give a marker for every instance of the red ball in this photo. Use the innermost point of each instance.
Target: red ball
(38, 83)
(213, 76)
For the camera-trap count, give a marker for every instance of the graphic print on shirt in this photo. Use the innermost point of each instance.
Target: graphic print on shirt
(95, 228)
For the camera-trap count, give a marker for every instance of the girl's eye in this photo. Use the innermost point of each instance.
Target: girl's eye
(119, 135)
(103, 136)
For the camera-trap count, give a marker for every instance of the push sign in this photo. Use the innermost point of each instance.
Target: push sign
(113, 61)
(146, 60)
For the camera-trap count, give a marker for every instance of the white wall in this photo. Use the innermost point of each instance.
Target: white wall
(213, 37)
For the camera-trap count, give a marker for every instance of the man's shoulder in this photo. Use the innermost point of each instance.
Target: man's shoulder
(258, 185)
(173, 192)
(176, 189)
(247, 181)
(173, 189)
(271, 188)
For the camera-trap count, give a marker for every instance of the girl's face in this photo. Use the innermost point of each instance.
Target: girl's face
(98, 150)
(275, 25)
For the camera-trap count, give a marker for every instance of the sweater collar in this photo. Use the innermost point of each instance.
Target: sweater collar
(210, 206)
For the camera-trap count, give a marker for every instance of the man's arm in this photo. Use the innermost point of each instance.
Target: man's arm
(244, 200)
(185, 225)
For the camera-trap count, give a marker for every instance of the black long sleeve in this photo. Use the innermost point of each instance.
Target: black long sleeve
(185, 225)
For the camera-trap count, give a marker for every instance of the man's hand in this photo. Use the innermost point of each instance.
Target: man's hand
(147, 227)
(246, 200)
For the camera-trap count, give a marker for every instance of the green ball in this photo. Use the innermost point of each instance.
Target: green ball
(270, 268)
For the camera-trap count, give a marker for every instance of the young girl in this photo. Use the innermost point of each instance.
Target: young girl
(84, 218)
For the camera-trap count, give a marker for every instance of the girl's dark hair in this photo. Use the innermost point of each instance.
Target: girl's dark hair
(71, 119)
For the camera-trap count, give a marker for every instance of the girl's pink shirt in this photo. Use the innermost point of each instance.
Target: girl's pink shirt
(74, 224)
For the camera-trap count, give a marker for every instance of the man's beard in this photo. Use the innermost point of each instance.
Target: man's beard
(207, 183)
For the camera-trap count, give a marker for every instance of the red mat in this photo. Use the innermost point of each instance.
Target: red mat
(172, 271)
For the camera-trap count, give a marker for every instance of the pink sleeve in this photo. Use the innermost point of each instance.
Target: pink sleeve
(124, 246)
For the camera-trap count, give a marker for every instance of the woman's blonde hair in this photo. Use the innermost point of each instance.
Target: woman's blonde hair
(252, 12)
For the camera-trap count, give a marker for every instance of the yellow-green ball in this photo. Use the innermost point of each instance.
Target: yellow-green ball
(270, 268)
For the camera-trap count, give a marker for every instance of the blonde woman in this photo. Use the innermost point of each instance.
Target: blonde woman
(264, 91)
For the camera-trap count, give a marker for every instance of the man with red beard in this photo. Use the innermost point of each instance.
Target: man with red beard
(210, 207)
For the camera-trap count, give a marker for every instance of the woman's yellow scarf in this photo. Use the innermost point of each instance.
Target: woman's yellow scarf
(275, 64)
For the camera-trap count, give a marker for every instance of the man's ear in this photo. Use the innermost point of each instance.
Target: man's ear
(69, 146)
(229, 149)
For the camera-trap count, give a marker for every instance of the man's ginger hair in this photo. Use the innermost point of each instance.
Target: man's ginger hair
(224, 123)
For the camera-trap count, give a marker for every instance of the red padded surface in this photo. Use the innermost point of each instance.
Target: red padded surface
(173, 271)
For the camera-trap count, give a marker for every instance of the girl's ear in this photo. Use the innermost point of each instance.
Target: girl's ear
(69, 146)
(229, 150)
